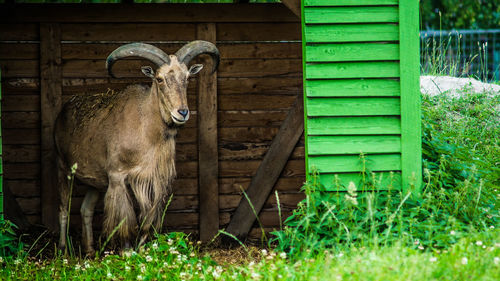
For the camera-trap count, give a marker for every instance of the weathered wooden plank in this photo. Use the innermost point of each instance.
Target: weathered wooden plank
(18, 51)
(255, 102)
(21, 120)
(354, 125)
(267, 85)
(21, 171)
(248, 168)
(357, 106)
(21, 153)
(268, 172)
(251, 151)
(235, 185)
(353, 163)
(352, 88)
(351, 52)
(28, 101)
(316, 15)
(21, 136)
(227, 68)
(243, 50)
(267, 118)
(225, 86)
(19, 31)
(411, 139)
(207, 142)
(185, 13)
(128, 32)
(252, 134)
(13, 85)
(23, 188)
(50, 104)
(323, 145)
(277, 31)
(288, 201)
(380, 180)
(349, 2)
(352, 70)
(351, 33)
(20, 68)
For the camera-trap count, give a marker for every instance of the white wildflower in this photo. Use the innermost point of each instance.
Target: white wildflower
(1, 259)
(479, 243)
(283, 255)
(255, 275)
(65, 261)
(149, 259)
(420, 247)
(139, 277)
(264, 252)
(216, 274)
(192, 254)
(452, 232)
(433, 259)
(170, 242)
(351, 189)
(496, 260)
(127, 268)
(17, 261)
(78, 266)
(109, 275)
(155, 246)
(464, 260)
(86, 264)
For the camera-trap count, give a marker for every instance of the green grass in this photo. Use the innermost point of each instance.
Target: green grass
(452, 232)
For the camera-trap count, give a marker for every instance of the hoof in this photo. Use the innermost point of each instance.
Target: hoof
(90, 253)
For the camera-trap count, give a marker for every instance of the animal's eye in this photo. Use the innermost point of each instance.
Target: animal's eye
(159, 80)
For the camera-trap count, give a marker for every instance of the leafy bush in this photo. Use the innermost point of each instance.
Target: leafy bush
(9, 243)
(459, 196)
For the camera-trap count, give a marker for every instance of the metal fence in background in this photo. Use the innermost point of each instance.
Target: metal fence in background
(461, 53)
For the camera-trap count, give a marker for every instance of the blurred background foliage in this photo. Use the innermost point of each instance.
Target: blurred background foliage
(463, 14)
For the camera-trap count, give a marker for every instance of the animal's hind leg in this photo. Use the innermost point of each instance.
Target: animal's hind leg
(63, 207)
(87, 212)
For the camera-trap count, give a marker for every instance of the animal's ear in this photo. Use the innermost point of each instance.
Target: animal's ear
(148, 71)
(195, 68)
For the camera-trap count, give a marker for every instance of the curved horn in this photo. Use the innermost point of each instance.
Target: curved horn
(147, 51)
(198, 47)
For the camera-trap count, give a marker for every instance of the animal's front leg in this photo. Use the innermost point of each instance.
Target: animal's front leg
(87, 212)
(118, 209)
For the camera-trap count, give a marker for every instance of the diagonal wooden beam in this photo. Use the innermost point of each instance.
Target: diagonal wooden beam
(268, 172)
(293, 5)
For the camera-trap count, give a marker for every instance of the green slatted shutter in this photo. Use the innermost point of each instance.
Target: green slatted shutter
(361, 83)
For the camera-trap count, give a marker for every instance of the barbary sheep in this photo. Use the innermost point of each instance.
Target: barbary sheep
(124, 143)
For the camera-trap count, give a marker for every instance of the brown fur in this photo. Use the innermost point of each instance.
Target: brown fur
(124, 144)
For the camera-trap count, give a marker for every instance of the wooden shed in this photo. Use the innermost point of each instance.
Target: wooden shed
(359, 85)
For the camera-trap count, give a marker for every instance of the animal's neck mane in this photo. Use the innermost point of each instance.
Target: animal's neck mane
(153, 181)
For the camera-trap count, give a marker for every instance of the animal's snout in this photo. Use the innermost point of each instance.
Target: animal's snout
(183, 112)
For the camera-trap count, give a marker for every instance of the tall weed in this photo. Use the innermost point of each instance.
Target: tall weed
(459, 196)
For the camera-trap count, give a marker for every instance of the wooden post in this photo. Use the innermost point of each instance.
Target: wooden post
(411, 139)
(268, 172)
(50, 105)
(208, 165)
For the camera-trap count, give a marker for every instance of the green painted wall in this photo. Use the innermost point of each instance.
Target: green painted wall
(361, 77)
